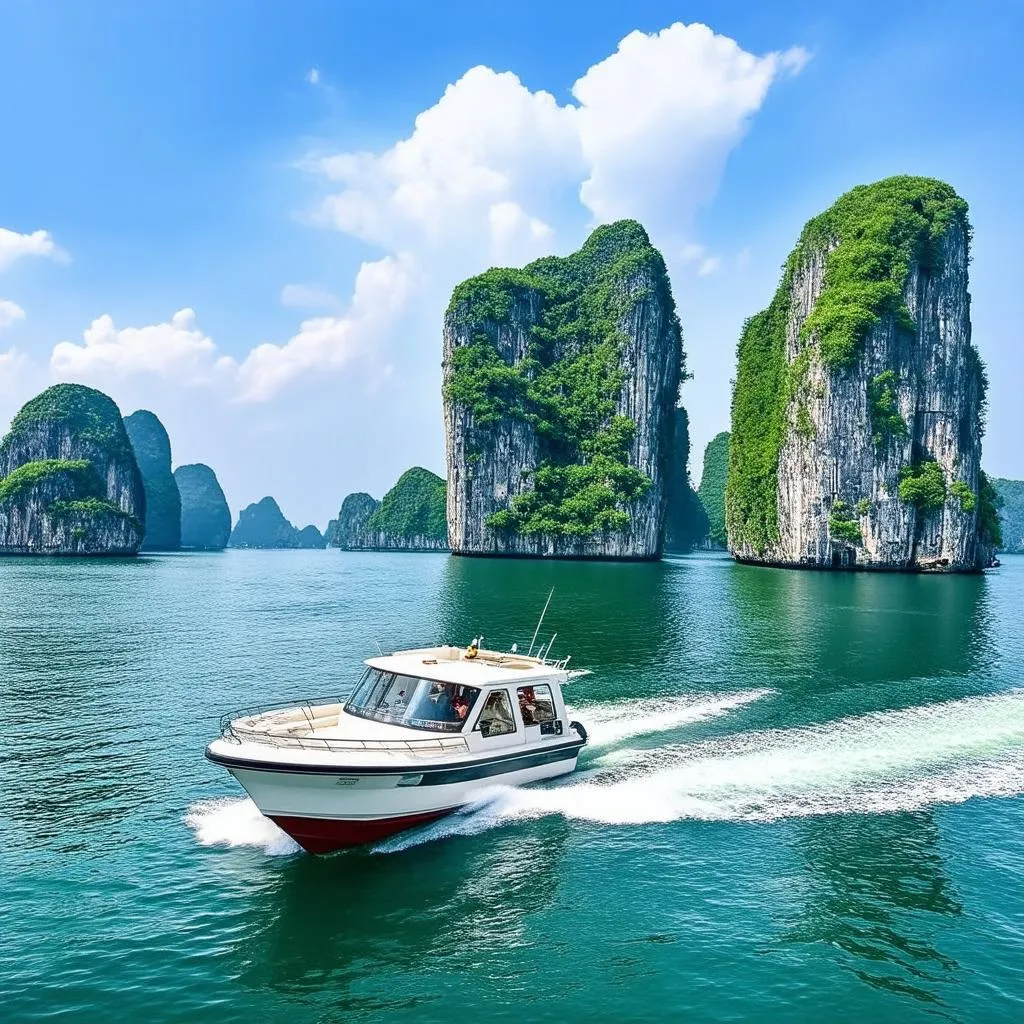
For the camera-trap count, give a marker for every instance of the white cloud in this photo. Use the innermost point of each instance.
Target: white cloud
(313, 76)
(179, 352)
(38, 243)
(175, 351)
(329, 343)
(487, 146)
(708, 265)
(658, 118)
(10, 313)
(306, 296)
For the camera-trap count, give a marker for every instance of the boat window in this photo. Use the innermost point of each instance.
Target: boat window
(536, 704)
(414, 703)
(496, 718)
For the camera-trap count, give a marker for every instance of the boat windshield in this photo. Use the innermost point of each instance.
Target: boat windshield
(414, 703)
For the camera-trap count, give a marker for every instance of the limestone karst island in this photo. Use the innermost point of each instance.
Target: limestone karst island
(855, 443)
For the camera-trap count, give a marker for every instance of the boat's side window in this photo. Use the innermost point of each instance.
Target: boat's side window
(496, 718)
(536, 704)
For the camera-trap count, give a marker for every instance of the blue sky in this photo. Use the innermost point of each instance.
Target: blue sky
(239, 160)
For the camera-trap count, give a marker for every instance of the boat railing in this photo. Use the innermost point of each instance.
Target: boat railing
(292, 726)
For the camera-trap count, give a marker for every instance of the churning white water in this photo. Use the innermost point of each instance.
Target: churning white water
(877, 763)
(236, 821)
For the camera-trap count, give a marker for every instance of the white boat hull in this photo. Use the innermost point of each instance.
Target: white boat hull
(327, 807)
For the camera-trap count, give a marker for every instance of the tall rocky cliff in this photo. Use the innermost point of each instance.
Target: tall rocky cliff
(560, 386)
(205, 516)
(411, 517)
(69, 482)
(858, 406)
(686, 522)
(152, 449)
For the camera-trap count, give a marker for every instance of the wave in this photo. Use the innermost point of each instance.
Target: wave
(237, 821)
(882, 762)
(611, 723)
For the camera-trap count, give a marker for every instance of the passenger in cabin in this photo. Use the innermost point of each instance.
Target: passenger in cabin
(460, 707)
(528, 705)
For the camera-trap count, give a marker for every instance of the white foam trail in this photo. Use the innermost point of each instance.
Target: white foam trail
(878, 763)
(614, 722)
(237, 821)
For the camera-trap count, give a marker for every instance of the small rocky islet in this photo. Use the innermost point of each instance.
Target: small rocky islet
(205, 516)
(410, 517)
(263, 525)
(69, 481)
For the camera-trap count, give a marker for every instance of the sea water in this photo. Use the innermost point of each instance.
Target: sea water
(800, 799)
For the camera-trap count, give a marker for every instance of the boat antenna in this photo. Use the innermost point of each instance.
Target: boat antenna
(539, 621)
(547, 653)
(379, 648)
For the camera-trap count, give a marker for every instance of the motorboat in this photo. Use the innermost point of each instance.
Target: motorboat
(421, 735)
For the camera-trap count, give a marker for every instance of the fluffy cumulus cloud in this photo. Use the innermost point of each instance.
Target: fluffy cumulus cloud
(657, 119)
(39, 243)
(10, 313)
(179, 352)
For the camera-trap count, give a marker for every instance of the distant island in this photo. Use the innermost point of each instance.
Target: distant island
(686, 520)
(410, 517)
(263, 525)
(857, 409)
(560, 389)
(712, 488)
(152, 448)
(205, 516)
(69, 482)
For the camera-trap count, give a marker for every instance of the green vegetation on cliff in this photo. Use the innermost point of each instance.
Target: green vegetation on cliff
(28, 475)
(712, 486)
(88, 414)
(414, 507)
(686, 522)
(869, 238)
(843, 524)
(923, 485)
(568, 385)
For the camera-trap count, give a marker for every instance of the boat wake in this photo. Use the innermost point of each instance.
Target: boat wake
(611, 723)
(882, 762)
(236, 821)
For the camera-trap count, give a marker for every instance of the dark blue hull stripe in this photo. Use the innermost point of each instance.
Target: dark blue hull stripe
(431, 776)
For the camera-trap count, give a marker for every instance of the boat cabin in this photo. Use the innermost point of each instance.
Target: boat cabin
(489, 698)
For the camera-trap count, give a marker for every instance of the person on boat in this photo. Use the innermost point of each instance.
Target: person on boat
(528, 705)
(460, 706)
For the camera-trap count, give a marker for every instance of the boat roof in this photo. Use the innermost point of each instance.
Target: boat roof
(448, 664)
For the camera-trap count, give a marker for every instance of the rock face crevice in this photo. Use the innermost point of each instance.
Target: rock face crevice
(910, 394)
(565, 446)
(152, 449)
(69, 482)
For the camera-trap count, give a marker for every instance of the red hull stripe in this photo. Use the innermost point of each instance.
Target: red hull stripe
(324, 835)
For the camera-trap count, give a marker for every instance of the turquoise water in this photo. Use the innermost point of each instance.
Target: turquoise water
(800, 802)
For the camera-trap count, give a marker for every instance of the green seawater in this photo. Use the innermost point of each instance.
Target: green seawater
(801, 801)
